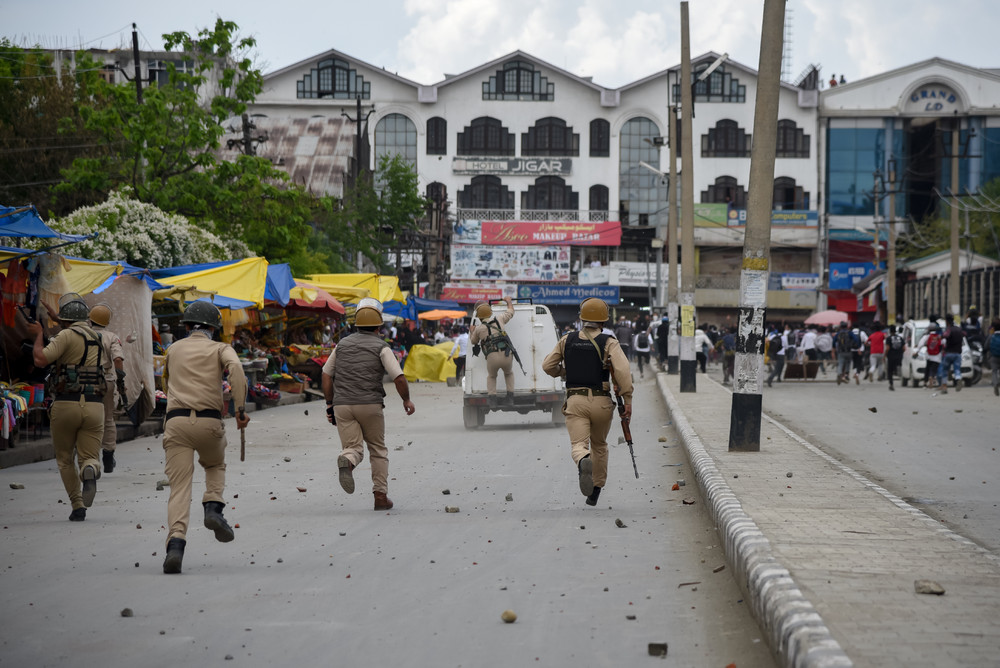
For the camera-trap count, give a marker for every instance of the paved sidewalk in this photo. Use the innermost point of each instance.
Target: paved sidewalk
(828, 559)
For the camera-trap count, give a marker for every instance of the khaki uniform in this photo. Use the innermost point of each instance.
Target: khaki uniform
(77, 421)
(192, 378)
(590, 410)
(495, 361)
(112, 351)
(357, 366)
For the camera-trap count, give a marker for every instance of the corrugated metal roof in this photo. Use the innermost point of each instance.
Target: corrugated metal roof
(315, 152)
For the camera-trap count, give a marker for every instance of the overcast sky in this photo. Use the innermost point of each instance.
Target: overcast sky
(614, 41)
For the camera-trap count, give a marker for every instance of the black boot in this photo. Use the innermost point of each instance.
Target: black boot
(510, 398)
(89, 485)
(492, 400)
(175, 555)
(592, 499)
(216, 522)
(78, 515)
(109, 461)
(586, 469)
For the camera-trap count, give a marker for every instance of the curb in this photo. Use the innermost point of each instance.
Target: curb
(796, 633)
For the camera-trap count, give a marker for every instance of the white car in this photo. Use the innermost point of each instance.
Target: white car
(915, 359)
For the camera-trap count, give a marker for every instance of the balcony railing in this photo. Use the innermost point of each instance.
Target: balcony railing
(536, 215)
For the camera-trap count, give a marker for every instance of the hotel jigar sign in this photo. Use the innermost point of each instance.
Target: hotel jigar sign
(512, 166)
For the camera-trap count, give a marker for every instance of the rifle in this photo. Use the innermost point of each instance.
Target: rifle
(243, 438)
(626, 431)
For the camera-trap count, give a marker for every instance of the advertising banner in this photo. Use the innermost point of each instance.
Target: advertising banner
(785, 218)
(470, 294)
(510, 263)
(568, 294)
(637, 274)
(519, 233)
(594, 275)
(800, 281)
(843, 275)
(710, 215)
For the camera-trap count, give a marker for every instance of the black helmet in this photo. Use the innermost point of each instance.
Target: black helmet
(72, 308)
(203, 313)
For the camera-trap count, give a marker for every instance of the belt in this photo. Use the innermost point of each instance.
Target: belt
(585, 391)
(77, 397)
(181, 412)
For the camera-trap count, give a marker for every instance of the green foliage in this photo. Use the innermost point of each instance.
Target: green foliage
(933, 235)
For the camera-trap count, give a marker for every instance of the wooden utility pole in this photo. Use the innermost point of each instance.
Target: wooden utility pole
(748, 381)
(954, 298)
(138, 67)
(672, 338)
(890, 295)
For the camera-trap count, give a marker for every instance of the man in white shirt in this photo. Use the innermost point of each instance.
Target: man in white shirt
(462, 346)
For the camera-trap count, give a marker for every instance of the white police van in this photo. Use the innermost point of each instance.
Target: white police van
(534, 334)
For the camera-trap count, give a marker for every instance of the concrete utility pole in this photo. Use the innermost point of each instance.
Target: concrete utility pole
(954, 296)
(748, 383)
(689, 363)
(672, 339)
(890, 301)
(135, 59)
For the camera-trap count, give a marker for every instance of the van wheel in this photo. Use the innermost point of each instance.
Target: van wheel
(471, 416)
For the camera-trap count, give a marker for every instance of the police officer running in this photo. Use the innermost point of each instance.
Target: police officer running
(114, 375)
(192, 378)
(352, 385)
(497, 347)
(77, 413)
(589, 360)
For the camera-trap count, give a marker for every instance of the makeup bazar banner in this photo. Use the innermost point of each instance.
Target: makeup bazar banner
(470, 294)
(519, 233)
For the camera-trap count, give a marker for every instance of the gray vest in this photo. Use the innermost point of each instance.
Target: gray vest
(358, 370)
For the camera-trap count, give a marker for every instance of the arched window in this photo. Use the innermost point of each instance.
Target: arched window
(550, 137)
(333, 78)
(396, 135)
(725, 190)
(485, 136)
(787, 195)
(725, 140)
(437, 136)
(485, 192)
(792, 141)
(550, 193)
(600, 138)
(636, 184)
(519, 80)
(599, 198)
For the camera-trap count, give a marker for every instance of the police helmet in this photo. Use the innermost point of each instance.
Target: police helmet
(593, 309)
(72, 308)
(203, 313)
(100, 315)
(367, 316)
(483, 310)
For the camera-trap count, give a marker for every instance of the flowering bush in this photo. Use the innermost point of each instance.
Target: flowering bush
(144, 236)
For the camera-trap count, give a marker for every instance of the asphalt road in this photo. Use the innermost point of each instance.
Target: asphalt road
(315, 577)
(938, 452)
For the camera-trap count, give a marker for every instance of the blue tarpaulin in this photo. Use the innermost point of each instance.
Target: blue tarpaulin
(417, 305)
(24, 221)
(279, 283)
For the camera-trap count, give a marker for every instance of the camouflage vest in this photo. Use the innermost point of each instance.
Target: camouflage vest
(81, 378)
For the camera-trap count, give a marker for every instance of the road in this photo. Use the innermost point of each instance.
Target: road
(315, 576)
(938, 452)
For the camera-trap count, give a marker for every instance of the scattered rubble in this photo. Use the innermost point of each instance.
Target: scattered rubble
(127, 612)
(16, 485)
(928, 587)
(658, 649)
(509, 616)
(451, 509)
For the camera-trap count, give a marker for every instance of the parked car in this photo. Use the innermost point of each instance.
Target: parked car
(915, 359)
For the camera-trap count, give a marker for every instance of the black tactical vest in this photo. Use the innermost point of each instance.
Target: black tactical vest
(584, 365)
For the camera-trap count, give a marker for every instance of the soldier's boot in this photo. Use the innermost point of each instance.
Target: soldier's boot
(586, 469)
(382, 502)
(345, 470)
(216, 522)
(492, 400)
(78, 515)
(89, 485)
(109, 461)
(592, 499)
(175, 555)
(510, 398)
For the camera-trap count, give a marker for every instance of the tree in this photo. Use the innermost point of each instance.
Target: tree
(165, 150)
(934, 234)
(41, 129)
(382, 210)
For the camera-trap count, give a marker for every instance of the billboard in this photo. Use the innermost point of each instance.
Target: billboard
(519, 233)
(474, 262)
(783, 218)
(843, 275)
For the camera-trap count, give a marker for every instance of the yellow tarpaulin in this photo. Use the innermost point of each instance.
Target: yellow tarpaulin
(244, 280)
(383, 288)
(428, 363)
(80, 276)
